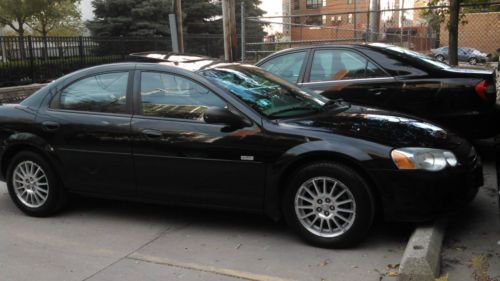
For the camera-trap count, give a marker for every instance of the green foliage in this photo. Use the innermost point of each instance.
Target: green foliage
(15, 13)
(150, 17)
(436, 16)
(130, 17)
(61, 15)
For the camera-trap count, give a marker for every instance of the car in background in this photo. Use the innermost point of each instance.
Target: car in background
(470, 55)
(398, 79)
(195, 132)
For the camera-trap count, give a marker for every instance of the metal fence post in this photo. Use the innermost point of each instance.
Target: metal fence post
(32, 67)
(80, 50)
(367, 32)
(243, 33)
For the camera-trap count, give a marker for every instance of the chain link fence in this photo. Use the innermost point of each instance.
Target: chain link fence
(418, 28)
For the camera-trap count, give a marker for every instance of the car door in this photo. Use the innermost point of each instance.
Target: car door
(181, 159)
(87, 125)
(346, 74)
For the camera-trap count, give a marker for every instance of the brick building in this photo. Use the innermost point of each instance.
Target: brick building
(482, 32)
(346, 23)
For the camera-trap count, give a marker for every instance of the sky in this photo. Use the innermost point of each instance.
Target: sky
(272, 8)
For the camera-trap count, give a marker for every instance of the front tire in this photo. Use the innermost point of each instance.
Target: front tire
(440, 58)
(33, 186)
(329, 205)
(473, 61)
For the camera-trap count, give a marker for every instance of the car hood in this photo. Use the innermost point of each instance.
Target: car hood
(376, 125)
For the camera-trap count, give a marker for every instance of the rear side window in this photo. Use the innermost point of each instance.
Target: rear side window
(105, 92)
(332, 65)
(173, 96)
(286, 66)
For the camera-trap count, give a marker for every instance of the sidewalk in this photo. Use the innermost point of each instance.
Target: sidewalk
(471, 249)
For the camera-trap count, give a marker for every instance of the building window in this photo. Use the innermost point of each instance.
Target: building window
(349, 2)
(349, 18)
(324, 20)
(296, 4)
(314, 4)
(296, 20)
(314, 20)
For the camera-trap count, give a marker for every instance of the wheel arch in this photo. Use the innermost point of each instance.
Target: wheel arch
(26, 142)
(280, 182)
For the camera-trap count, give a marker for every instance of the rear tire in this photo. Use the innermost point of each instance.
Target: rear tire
(329, 205)
(473, 61)
(440, 58)
(33, 185)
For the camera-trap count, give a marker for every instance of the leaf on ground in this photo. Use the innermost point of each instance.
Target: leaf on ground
(442, 278)
(392, 274)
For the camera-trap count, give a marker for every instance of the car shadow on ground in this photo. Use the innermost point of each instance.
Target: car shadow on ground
(382, 232)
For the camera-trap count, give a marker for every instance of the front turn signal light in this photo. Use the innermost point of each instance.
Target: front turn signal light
(402, 160)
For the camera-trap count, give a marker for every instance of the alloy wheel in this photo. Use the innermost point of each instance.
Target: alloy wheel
(31, 184)
(325, 207)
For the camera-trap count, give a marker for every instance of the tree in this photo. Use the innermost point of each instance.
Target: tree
(54, 14)
(150, 17)
(130, 18)
(437, 16)
(15, 13)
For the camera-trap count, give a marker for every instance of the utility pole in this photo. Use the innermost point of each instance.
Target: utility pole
(453, 32)
(374, 20)
(178, 16)
(230, 38)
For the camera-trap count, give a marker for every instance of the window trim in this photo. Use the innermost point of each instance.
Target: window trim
(128, 95)
(307, 73)
(303, 68)
(138, 99)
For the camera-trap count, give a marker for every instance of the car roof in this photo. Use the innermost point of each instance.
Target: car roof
(190, 62)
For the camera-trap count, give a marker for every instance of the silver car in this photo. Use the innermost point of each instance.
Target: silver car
(470, 55)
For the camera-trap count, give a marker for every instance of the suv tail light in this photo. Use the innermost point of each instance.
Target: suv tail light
(486, 91)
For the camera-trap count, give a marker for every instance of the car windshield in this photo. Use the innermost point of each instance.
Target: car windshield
(414, 55)
(269, 95)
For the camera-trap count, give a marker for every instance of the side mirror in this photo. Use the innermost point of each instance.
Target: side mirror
(218, 115)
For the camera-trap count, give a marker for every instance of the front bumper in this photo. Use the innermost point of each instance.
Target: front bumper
(423, 195)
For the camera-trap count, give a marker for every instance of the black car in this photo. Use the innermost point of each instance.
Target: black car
(390, 77)
(229, 136)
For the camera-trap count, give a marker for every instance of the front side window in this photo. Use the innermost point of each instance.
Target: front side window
(105, 92)
(332, 65)
(173, 96)
(286, 66)
(264, 92)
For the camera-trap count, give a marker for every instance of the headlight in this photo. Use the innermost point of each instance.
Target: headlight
(430, 159)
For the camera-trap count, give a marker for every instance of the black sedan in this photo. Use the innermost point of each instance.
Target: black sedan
(390, 77)
(229, 136)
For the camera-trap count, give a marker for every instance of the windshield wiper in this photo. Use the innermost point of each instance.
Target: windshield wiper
(334, 103)
(293, 109)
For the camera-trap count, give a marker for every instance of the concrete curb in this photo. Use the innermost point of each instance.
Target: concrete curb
(422, 256)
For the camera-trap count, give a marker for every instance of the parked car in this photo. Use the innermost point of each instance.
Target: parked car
(229, 136)
(470, 55)
(397, 79)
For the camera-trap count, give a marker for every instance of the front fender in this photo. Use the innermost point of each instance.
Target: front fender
(358, 153)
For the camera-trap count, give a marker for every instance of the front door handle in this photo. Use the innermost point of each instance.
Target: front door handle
(50, 126)
(151, 134)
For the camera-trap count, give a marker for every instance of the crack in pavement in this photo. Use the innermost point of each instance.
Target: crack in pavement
(168, 229)
(203, 268)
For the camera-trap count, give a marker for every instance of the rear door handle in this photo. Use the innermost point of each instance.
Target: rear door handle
(377, 91)
(152, 134)
(50, 126)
